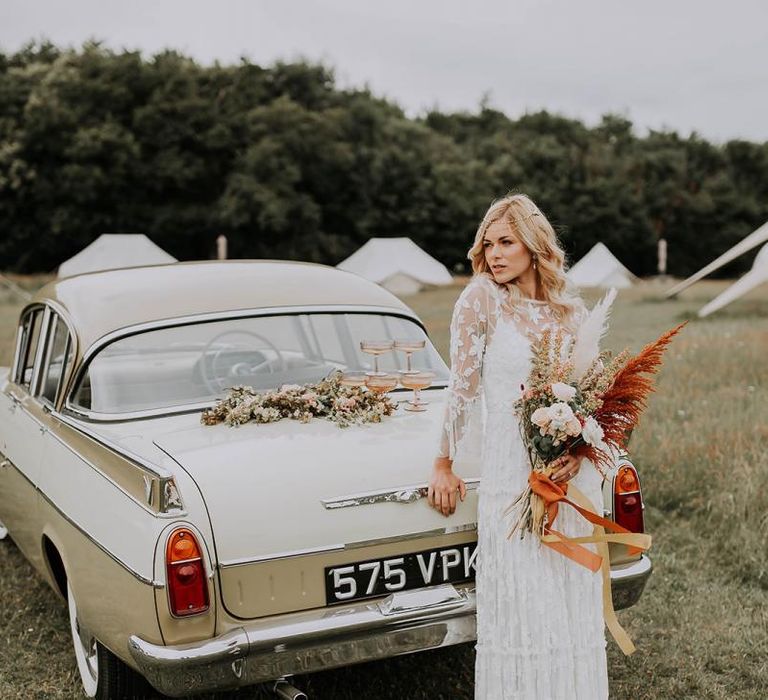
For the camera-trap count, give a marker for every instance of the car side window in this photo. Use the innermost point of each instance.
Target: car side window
(28, 347)
(58, 355)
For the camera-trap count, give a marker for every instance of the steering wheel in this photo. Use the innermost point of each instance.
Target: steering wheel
(210, 376)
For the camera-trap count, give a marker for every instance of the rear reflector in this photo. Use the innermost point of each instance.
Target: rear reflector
(187, 584)
(627, 499)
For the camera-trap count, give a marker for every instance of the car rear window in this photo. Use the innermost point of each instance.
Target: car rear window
(194, 364)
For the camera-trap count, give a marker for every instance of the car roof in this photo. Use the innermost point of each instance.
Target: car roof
(99, 303)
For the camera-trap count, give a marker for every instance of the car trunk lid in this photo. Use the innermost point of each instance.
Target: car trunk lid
(288, 499)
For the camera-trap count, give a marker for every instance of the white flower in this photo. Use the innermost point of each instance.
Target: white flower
(560, 412)
(573, 427)
(541, 417)
(560, 418)
(563, 392)
(592, 432)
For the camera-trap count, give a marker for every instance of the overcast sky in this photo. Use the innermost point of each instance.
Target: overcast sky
(689, 65)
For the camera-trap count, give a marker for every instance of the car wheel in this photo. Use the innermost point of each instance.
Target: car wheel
(102, 674)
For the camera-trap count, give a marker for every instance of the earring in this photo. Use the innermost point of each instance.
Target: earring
(535, 262)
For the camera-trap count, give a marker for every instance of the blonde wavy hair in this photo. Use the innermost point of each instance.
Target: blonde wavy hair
(531, 227)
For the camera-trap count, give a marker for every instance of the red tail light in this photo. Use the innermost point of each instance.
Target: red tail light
(187, 583)
(627, 499)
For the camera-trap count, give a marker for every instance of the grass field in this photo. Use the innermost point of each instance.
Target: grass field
(701, 627)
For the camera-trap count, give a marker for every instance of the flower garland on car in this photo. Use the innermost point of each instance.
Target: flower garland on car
(329, 398)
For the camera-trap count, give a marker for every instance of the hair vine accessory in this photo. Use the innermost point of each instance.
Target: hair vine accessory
(488, 220)
(524, 218)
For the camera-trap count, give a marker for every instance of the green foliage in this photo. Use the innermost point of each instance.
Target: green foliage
(287, 165)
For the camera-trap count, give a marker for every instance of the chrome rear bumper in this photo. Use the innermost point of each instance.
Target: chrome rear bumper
(315, 640)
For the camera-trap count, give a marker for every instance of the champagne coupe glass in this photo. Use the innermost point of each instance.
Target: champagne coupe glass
(409, 347)
(376, 348)
(353, 379)
(381, 383)
(416, 381)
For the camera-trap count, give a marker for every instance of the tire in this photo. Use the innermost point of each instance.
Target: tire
(102, 674)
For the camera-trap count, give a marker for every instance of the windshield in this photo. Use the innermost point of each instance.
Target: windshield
(194, 364)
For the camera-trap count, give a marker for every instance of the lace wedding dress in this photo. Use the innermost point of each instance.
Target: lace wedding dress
(540, 633)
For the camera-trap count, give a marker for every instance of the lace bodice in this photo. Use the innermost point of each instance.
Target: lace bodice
(480, 309)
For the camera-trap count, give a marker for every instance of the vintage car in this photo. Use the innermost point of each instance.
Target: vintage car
(211, 557)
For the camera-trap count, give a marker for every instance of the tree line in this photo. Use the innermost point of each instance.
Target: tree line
(288, 165)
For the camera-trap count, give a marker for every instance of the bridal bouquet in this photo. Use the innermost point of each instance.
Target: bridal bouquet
(579, 400)
(582, 401)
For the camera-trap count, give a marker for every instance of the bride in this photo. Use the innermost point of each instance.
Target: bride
(540, 632)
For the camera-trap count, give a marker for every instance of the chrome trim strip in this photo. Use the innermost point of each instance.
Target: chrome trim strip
(165, 480)
(207, 317)
(400, 494)
(153, 469)
(451, 530)
(88, 536)
(348, 546)
(40, 350)
(96, 417)
(281, 555)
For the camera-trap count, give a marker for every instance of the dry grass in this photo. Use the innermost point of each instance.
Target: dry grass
(702, 625)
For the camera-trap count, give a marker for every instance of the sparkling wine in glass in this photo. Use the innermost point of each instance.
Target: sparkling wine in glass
(353, 379)
(416, 381)
(376, 348)
(409, 347)
(381, 383)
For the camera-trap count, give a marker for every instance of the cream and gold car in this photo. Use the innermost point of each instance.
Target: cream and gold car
(202, 557)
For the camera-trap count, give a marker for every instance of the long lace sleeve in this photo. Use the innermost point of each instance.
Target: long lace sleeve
(474, 319)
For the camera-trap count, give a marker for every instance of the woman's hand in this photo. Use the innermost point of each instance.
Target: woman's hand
(566, 467)
(443, 487)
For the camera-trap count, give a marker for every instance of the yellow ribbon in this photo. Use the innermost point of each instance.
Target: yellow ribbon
(601, 539)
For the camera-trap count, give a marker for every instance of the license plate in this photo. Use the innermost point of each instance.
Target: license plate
(378, 577)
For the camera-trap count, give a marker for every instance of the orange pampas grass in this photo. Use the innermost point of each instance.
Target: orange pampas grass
(625, 400)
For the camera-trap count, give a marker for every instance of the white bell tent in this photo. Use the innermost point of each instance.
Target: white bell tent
(755, 277)
(397, 264)
(600, 268)
(753, 240)
(115, 250)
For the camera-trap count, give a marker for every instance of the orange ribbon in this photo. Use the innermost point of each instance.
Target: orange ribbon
(553, 494)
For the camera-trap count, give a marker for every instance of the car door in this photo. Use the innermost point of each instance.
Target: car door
(21, 432)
